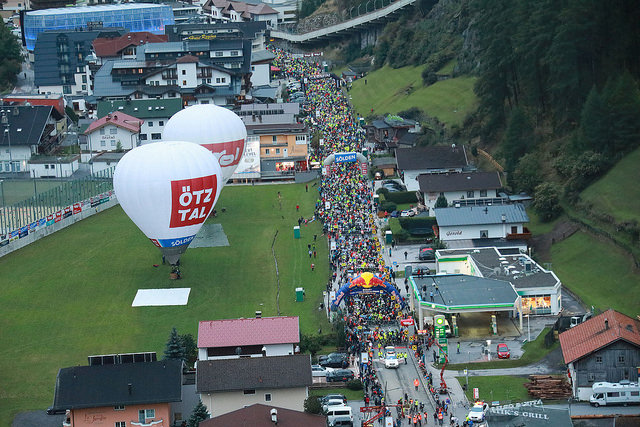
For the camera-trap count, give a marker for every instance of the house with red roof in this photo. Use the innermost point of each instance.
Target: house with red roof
(254, 337)
(605, 348)
(113, 132)
(124, 47)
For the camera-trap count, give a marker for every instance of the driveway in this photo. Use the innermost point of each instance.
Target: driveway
(37, 418)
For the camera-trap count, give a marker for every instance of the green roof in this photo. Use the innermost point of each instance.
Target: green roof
(142, 108)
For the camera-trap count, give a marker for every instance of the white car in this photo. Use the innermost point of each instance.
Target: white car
(318, 371)
(391, 361)
(408, 213)
(478, 411)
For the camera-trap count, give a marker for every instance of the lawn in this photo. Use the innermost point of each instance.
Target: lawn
(69, 295)
(617, 193)
(532, 352)
(391, 90)
(14, 191)
(600, 273)
(537, 226)
(505, 389)
(348, 393)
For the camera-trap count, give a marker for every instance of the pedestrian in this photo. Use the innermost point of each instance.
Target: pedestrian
(405, 255)
(315, 236)
(435, 358)
(313, 266)
(389, 251)
(306, 188)
(416, 383)
(431, 295)
(311, 253)
(458, 348)
(297, 208)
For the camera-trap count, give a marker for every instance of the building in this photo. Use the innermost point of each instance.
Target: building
(387, 165)
(120, 394)
(603, 348)
(130, 16)
(114, 132)
(236, 11)
(256, 337)
(539, 289)
(252, 30)
(385, 133)
(53, 166)
(482, 222)
(185, 12)
(261, 415)
(56, 101)
(412, 162)
(105, 161)
(261, 67)
(61, 61)
(469, 188)
(226, 385)
(153, 113)
(28, 130)
(284, 148)
(124, 47)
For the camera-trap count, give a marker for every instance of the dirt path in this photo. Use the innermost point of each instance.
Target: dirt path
(542, 244)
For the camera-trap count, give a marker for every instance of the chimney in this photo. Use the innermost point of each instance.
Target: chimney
(606, 323)
(274, 415)
(130, 387)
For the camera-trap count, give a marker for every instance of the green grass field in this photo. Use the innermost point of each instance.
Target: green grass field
(617, 193)
(348, 393)
(69, 295)
(391, 90)
(599, 272)
(14, 191)
(499, 388)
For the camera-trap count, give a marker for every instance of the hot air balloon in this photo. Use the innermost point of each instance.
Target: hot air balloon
(168, 189)
(217, 129)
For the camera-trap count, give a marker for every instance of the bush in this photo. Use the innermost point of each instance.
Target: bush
(429, 77)
(388, 206)
(547, 201)
(312, 405)
(354, 385)
(417, 223)
(382, 192)
(402, 197)
(310, 343)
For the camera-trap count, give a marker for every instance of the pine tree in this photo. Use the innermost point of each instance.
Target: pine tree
(174, 348)
(622, 98)
(441, 202)
(199, 414)
(518, 139)
(594, 122)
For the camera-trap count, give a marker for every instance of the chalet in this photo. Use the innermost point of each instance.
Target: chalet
(226, 385)
(236, 11)
(412, 162)
(114, 132)
(603, 348)
(385, 133)
(124, 47)
(468, 188)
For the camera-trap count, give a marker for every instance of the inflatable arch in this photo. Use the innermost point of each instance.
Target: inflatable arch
(366, 282)
(331, 161)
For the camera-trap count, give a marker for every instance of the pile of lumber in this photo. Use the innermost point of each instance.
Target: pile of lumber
(548, 387)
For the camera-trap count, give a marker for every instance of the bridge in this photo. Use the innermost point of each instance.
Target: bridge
(359, 24)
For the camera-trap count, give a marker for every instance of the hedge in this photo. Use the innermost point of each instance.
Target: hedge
(417, 223)
(402, 197)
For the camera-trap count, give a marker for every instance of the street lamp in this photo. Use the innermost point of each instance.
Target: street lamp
(528, 330)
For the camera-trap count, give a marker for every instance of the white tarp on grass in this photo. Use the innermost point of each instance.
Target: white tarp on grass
(159, 297)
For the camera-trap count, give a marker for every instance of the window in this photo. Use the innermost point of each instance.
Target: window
(470, 194)
(46, 166)
(184, 83)
(483, 193)
(143, 137)
(84, 78)
(484, 234)
(66, 89)
(613, 394)
(102, 131)
(591, 376)
(161, 123)
(267, 397)
(253, 68)
(274, 139)
(218, 80)
(621, 358)
(156, 136)
(150, 124)
(121, 424)
(52, 166)
(219, 53)
(277, 151)
(598, 359)
(103, 143)
(84, 87)
(223, 80)
(266, 151)
(184, 72)
(248, 392)
(145, 414)
(635, 393)
(113, 143)
(234, 53)
(113, 131)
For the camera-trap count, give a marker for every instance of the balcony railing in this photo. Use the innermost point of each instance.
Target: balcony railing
(525, 235)
(146, 423)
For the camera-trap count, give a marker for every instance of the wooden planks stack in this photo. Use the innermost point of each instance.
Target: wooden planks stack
(548, 387)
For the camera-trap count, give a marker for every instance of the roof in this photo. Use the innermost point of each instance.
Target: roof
(142, 108)
(110, 47)
(121, 120)
(108, 385)
(259, 415)
(477, 215)
(180, 31)
(108, 157)
(436, 183)
(253, 373)
(26, 124)
(187, 59)
(460, 292)
(431, 157)
(593, 334)
(270, 128)
(241, 332)
(40, 159)
(262, 56)
(98, 8)
(383, 161)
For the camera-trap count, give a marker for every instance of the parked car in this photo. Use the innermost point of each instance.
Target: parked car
(340, 375)
(408, 213)
(395, 214)
(503, 351)
(426, 253)
(335, 360)
(332, 402)
(318, 371)
(325, 399)
(394, 184)
(478, 411)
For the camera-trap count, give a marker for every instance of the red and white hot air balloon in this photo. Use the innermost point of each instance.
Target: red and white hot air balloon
(168, 189)
(217, 129)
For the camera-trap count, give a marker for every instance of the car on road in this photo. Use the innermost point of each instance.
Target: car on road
(426, 253)
(478, 412)
(391, 361)
(340, 375)
(503, 351)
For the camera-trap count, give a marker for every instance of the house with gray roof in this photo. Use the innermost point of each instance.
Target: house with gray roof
(226, 385)
(482, 222)
(412, 162)
(466, 188)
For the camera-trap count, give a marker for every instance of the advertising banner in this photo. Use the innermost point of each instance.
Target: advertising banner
(249, 166)
(345, 157)
(77, 208)
(50, 219)
(24, 232)
(68, 211)
(58, 216)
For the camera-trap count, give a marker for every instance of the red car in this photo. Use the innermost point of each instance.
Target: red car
(503, 351)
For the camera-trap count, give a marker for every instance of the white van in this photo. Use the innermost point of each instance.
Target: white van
(338, 412)
(622, 393)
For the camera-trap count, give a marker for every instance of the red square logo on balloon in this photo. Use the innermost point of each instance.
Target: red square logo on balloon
(192, 200)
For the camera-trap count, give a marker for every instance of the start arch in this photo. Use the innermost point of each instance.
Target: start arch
(366, 282)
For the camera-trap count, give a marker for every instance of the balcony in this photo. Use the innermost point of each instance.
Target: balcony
(147, 423)
(525, 235)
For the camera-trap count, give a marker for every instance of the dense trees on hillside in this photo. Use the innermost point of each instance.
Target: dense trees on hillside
(10, 58)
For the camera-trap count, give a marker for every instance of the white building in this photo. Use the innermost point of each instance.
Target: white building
(113, 132)
(53, 167)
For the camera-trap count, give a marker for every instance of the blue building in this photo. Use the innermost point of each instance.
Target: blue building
(132, 16)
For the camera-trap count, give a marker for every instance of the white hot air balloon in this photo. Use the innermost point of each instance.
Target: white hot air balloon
(217, 129)
(168, 189)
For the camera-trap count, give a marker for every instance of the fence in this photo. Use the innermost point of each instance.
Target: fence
(47, 208)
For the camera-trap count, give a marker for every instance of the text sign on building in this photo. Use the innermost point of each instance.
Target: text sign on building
(345, 157)
(476, 393)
